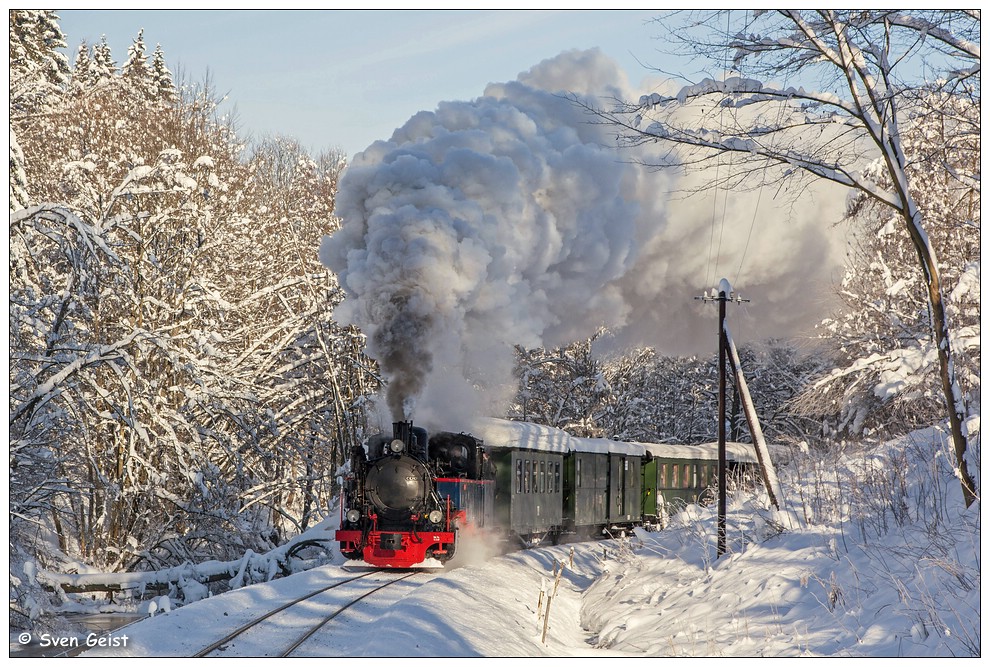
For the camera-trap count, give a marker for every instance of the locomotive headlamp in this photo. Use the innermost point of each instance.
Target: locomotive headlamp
(353, 516)
(435, 516)
(396, 446)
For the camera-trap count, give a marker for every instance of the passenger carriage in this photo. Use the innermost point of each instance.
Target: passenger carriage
(550, 483)
(529, 485)
(675, 476)
(602, 486)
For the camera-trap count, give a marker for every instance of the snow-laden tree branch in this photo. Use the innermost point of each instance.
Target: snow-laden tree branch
(826, 94)
(178, 390)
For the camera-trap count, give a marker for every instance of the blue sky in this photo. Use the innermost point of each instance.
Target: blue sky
(346, 78)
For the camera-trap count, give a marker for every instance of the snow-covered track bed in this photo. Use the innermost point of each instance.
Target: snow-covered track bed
(277, 632)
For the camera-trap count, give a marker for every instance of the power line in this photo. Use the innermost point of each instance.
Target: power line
(763, 182)
(711, 241)
(752, 224)
(718, 164)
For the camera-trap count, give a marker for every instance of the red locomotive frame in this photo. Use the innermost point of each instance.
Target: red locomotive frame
(414, 546)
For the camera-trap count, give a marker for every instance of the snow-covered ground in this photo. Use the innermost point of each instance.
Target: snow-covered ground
(894, 574)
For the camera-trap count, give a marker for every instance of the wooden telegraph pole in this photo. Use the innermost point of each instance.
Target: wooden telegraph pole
(722, 295)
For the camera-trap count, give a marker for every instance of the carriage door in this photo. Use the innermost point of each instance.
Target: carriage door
(623, 467)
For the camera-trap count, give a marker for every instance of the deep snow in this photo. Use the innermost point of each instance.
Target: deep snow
(895, 579)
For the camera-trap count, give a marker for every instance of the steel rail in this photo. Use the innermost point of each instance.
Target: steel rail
(312, 631)
(247, 626)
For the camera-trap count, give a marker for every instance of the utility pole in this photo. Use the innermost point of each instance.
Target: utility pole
(722, 295)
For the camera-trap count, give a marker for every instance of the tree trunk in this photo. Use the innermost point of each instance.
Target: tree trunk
(951, 392)
(950, 388)
(947, 372)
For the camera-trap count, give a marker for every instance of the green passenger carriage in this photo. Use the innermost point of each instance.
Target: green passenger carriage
(675, 476)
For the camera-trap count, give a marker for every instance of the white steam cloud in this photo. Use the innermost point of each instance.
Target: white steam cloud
(510, 220)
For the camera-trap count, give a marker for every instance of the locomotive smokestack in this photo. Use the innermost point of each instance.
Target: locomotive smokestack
(403, 431)
(415, 438)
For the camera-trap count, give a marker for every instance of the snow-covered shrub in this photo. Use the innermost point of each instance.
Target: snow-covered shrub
(642, 395)
(886, 378)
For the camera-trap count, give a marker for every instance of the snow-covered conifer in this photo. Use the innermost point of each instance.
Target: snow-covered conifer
(164, 86)
(82, 68)
(136, 72)
(38, 69)
(103, 67)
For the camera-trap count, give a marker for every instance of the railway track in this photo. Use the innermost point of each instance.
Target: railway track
(270, 618)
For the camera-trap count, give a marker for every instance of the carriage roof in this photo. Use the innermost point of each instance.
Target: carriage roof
(525, 435)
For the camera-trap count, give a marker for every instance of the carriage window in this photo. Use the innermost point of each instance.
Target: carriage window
(543, 476)
(526, 477)
(687, 475)
(674, 479)
(577, 472)
(519, 476)
(663, 474)
(536, 487)
(556, 477)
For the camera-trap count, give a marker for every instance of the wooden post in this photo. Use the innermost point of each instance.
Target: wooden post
(722, 296)
(767, 470)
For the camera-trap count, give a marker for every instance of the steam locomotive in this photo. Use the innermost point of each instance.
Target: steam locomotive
(407, 498)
